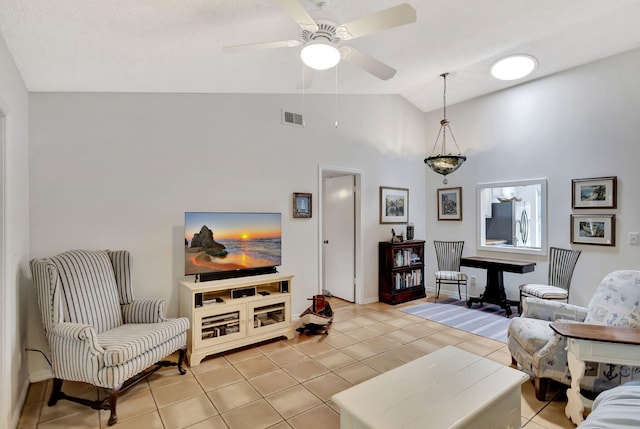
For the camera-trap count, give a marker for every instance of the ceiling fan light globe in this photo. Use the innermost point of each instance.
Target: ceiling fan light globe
(320, 56)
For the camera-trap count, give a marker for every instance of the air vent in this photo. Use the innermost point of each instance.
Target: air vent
(291, 118)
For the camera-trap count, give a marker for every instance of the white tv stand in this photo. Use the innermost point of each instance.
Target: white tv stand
(219, 322)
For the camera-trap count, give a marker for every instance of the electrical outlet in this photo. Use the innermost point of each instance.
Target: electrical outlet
(634, 238)
(472, 282)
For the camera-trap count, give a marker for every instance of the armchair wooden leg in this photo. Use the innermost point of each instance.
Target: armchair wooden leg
(181, 355)
(55, 392)
(113, 399)
(514, 362)
(109, 403)
(541, 385)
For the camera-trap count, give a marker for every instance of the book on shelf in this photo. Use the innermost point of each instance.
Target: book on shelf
(404, 257)
(408, 279)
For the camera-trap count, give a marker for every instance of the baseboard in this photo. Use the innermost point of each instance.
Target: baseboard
(22, 397)
(44, 374)
(448, 292)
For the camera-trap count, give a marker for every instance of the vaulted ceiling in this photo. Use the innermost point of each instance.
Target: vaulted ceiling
(176, 45)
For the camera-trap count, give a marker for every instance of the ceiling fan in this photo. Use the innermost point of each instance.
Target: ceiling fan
(322, 39)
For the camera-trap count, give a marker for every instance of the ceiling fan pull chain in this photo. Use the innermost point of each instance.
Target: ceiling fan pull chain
(336, 98)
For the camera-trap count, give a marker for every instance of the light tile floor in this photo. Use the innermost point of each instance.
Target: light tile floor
(284, 383)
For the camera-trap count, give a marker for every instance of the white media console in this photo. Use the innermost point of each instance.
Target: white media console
(231, 313)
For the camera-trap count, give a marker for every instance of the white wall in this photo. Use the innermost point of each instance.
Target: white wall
(576, 124)
(14, 106)
(118, 171)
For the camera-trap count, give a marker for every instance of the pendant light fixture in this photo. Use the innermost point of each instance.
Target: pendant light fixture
(444, 163)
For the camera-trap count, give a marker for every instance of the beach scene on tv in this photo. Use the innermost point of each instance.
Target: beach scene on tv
(231, 241)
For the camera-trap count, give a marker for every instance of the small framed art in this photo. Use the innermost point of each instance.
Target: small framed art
(593, 229)
(594, 193)
(450, 204)
(301, 205)
(394, 205)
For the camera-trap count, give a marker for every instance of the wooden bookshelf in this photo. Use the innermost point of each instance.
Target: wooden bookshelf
(401, 271)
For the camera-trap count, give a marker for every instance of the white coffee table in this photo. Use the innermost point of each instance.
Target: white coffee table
(449, 388)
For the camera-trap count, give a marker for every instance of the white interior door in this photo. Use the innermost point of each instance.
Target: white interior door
(339, 237)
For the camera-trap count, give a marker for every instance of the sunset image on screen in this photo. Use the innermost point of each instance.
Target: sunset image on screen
(217, 241)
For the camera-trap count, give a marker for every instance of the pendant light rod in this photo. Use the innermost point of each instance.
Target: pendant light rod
(444, 163)
(444, 95)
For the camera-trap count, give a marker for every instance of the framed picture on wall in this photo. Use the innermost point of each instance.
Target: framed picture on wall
(301, 205)
(594, 193)
(394, 205)
(599, 230)
(450, 204)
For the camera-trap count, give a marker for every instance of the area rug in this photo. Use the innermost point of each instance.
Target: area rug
(485, 320)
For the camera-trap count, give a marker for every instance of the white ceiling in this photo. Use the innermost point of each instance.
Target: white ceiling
(176, 45)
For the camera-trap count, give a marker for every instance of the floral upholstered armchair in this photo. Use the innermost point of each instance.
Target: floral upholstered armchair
(541, 352)
(97, 332)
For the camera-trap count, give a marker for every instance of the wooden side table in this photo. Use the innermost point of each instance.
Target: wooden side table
(594, 343)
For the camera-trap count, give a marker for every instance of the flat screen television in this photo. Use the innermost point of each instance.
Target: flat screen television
(221, 245)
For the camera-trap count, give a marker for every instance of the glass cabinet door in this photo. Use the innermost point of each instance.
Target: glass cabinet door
(225, 324)
(268, 315)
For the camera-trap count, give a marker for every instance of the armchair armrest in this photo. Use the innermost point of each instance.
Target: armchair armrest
(144, 311)
(75, 352)
(80, 334)
(545, 309)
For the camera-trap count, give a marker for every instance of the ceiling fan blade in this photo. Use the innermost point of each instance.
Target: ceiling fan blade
(367, 63)
(388, 18)
(264, 45)
(299, 14)
(306, 78)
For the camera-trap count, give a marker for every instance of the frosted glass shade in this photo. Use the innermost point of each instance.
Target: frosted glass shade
(320, 56)
(445, 164)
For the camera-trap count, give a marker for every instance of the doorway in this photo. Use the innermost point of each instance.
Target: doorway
(340, 233)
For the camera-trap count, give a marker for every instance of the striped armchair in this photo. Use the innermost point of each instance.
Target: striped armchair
(97, 332)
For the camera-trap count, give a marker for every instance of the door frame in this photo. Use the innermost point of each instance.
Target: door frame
(6, 415)
(325, 171)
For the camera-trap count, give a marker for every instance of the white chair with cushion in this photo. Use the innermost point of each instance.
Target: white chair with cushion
(542, 352)
(97, 332)
(562, 262)
(448, 254)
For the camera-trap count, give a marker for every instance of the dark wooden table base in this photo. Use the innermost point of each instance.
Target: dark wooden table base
(494, 291)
